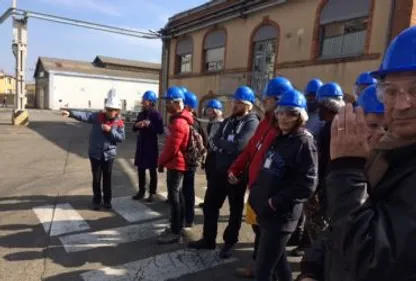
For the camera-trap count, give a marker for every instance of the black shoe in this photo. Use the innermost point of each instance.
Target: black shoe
(108, 206)
(227, 251)
(96, 206)
(201, 245)
(201, 205)
(297, 252)
(150, 199)
(138, 196)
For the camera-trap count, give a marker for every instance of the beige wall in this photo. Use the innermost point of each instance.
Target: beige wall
(296, 21)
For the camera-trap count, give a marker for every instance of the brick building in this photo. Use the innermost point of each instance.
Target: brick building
(217, 46)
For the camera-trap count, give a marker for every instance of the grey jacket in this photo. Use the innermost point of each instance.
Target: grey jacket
(232, 137)
(102, 145)
(371, 240)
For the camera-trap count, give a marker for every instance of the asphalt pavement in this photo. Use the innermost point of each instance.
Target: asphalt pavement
(48, 231)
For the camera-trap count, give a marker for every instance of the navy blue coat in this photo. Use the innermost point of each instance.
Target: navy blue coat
(147, 149)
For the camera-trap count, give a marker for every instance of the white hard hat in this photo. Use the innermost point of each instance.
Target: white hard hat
(112, 100)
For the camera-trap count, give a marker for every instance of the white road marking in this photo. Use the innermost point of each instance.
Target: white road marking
(162, 267)
(165, 195)
(133, 211)
(128, 169)
(112, 237)
(63, 220)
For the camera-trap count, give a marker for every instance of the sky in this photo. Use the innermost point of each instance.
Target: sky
(50, 39)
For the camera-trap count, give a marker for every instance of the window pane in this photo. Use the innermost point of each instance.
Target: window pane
(185, 63)
(214, 59)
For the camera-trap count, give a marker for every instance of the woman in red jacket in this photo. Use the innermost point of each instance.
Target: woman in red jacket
(249, 161)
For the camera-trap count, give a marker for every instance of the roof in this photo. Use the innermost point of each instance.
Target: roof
(75, 66)
(131, 63)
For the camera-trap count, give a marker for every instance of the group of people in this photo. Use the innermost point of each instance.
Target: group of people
(339, 176)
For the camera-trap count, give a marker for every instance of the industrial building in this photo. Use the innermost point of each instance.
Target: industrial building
(84, 85)
(213, 48)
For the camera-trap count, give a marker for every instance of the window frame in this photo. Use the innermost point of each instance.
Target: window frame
(206, 62)
(341, 54)
(179, 58)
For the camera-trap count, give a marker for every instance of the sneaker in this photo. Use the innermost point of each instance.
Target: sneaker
(168, 237)
(151, 198)
(245, 272)
(138, 196)
(227, 251)
(108, 206)
(201, 245)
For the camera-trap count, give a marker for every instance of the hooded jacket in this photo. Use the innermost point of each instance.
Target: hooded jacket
(176, 141)
(102, 145)
(288, 176)
(372, 239)
(232, 137)
(253, 155)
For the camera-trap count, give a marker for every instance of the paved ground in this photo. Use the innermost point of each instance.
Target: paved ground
(48, 232)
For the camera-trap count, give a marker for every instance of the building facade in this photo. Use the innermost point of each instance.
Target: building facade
(7, 88)
(84, 85)
(215, 47)
(30, 95)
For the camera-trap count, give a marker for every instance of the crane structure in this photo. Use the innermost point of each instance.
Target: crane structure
(19, 47)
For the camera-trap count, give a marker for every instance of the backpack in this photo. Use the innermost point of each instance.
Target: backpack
(195, 149)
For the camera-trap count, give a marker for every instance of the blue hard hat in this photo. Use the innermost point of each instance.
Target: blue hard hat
(244, 93)
(216, 104)
(277, 87)
(150, 96)
(400, 55)
(365, 79)
(183, 88)
(174, 93)
(293, 98)
(191, 100)
(369, 102)
(313, 86)
(329, 90)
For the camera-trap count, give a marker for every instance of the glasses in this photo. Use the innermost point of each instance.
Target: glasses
(387, 91)
(289, 115)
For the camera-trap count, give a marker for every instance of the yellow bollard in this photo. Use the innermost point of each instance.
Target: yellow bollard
(20, 118)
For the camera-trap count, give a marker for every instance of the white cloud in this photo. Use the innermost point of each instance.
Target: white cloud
(93, 5)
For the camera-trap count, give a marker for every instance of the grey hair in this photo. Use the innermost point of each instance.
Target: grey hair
(304, 116)
(180, 103)
(217, 112)
(334, 103)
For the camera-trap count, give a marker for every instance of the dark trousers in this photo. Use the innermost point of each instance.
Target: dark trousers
(177, 203)
(257, 234)
(188, 188)
(218, 190)
(142, 180)
(101, 169)
(271, 258)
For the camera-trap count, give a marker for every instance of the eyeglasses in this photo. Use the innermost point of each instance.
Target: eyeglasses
(290, 115)
(387, 91)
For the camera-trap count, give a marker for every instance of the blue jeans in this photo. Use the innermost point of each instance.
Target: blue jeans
(188, 188)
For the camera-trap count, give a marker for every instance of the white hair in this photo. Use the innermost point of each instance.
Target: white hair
(180, 103)
(303, 114)
(334, 103)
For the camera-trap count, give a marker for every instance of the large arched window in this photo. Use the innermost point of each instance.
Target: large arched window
(214, 50)
(343, 27)
(264, 46)
(184, 52)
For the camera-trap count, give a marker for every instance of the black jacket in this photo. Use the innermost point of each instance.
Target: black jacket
(371, 240)
(289, 176)
(232, 137)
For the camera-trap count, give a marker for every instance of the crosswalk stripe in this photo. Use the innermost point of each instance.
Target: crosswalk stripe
(112, 237)
(162, 267)
(133, 211)
(62, 219)
(197, 199)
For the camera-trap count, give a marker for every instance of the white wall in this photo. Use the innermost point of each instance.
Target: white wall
(75, 90)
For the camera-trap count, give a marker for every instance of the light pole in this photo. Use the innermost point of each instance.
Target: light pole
(19, 47)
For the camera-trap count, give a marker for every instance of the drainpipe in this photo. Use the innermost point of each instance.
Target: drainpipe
(391, 20)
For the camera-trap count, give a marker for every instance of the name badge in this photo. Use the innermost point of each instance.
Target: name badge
(230, 138)
(267, 163)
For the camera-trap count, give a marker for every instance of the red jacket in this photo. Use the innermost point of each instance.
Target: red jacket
(176, 141)
(263, 138)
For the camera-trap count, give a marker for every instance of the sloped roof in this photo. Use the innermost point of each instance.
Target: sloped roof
(131, 63)
(75, 66)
